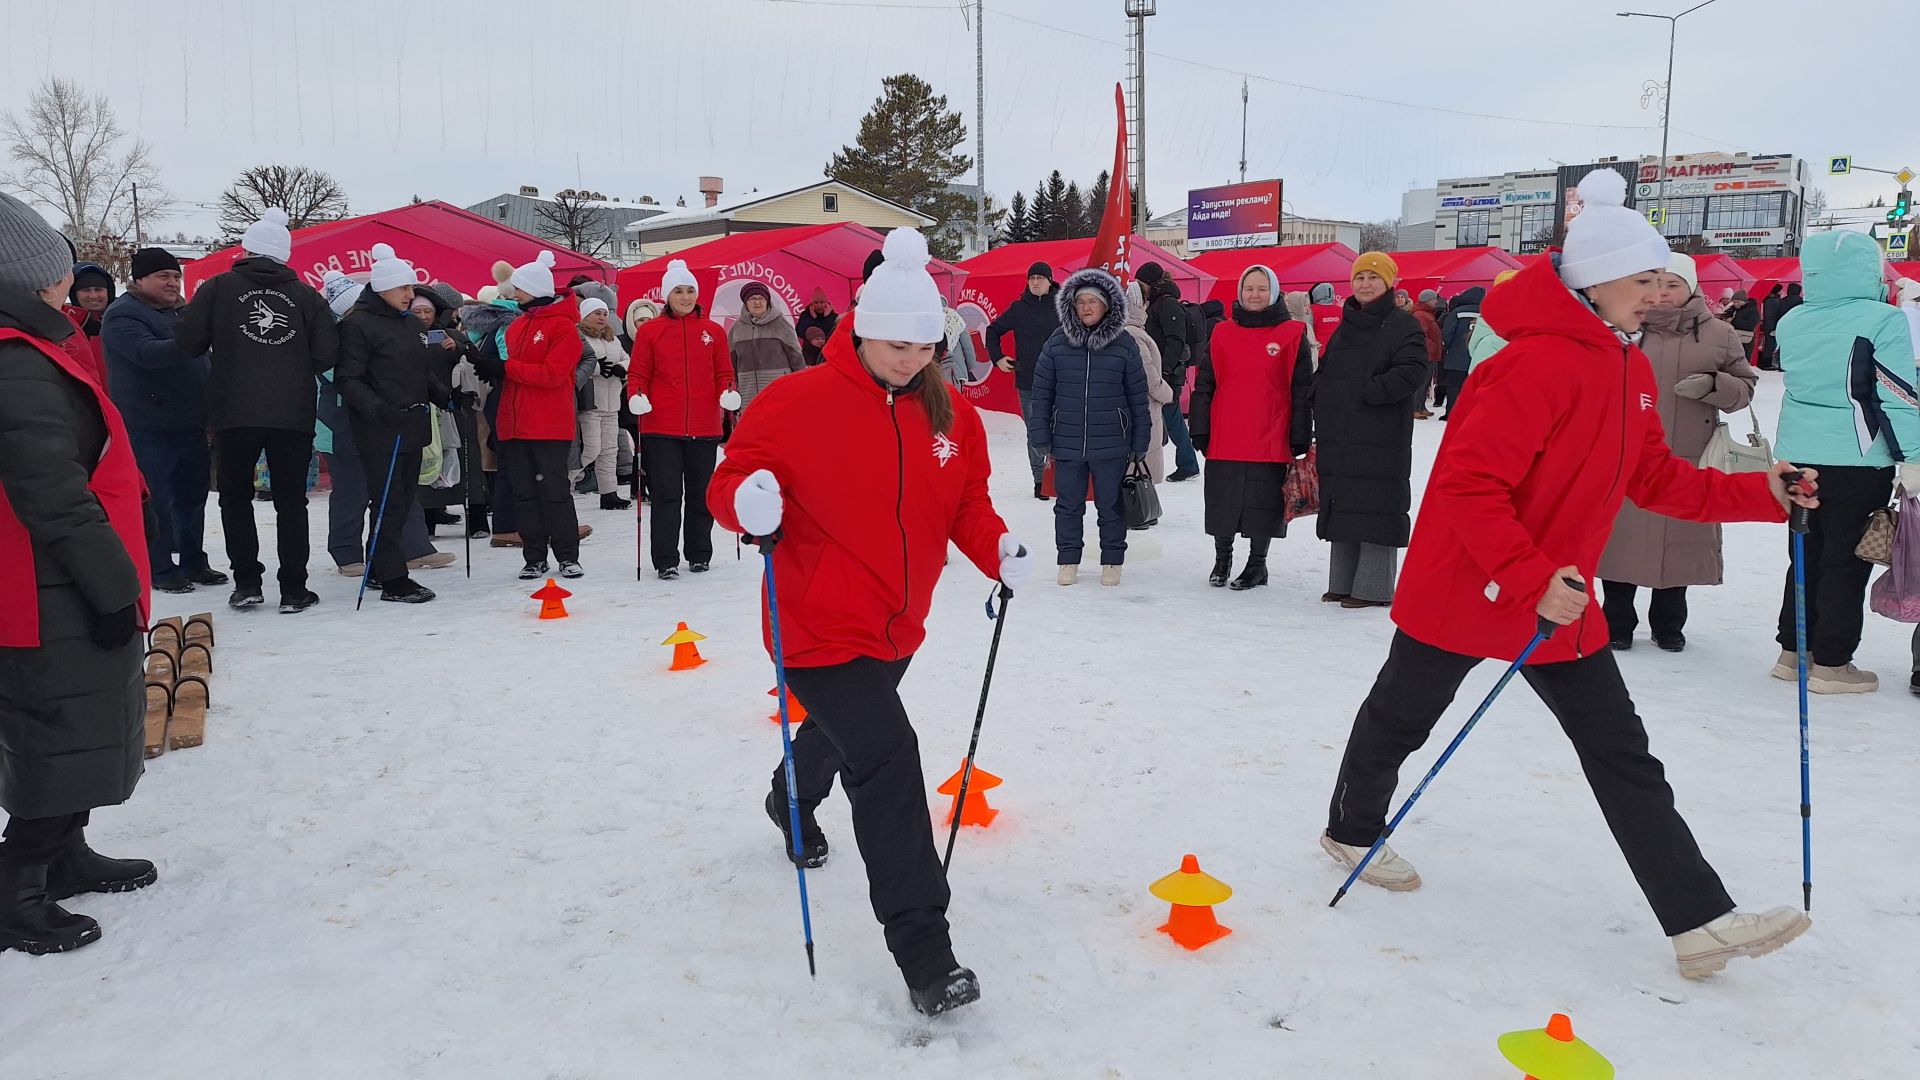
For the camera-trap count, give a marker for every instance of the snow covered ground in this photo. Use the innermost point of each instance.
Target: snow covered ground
(458, 842)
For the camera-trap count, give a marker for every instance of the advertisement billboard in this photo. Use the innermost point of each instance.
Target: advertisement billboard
(1234, 216)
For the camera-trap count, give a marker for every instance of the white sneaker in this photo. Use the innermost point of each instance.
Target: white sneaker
(1109, 575)
(1387, 870)
(1845, 679)
(1705, 950)
(1787, 668)
(1069, 575)
(432, 562)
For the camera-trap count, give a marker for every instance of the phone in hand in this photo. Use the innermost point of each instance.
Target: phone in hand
(436, 337)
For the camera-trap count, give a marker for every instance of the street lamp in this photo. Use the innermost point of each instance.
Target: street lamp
(1666, 99)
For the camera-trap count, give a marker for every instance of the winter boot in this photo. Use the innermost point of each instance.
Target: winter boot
(813, 842)
(534, 571)
(1844, 679)
(667, 573)
(1705, 950)
(1039, 492)
(1787, 668)
(612, 501)
(1222, 563)
(246, 596)
(1672, 643)
(434, 561)
(945, 993)
(295, 603)
(1069, 575)
(1387, 870)
(410, 593)
(80, 869)
(571, 570)
(175, 582)
(698, 566)
(206, 575)
(1254, 576)
(33, 923)
(1109, 576)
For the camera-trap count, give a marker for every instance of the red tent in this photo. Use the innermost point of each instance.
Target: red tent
(443, 242)
(1905, 269)
(1451, 272)
(1718, 273)
(1299, 267)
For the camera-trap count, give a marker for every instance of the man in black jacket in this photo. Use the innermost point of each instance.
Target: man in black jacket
(270, 334)
(1172, 332)
(1770, 312)
(1031, 320)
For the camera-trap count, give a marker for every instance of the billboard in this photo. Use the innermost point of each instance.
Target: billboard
(1234, 216)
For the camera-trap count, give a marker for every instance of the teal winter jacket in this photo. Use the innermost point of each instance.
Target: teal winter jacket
(1845, 352)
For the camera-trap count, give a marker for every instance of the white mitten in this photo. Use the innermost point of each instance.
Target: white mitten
(1910, 478)
(730, 401)
(1016, 562)
(757, 504)
(639, 404)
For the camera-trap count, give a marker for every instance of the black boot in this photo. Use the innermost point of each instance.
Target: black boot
(813, 842)
(80, 869)
(1255, 574)
(1038, 489)
(31, 922)
(612, 501)
(1222, 562)
(947, 992)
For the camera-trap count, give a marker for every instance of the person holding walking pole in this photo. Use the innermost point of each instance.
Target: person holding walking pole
(1542, 449)
(863, 521)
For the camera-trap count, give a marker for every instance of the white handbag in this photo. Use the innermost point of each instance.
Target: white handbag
(1729, 456)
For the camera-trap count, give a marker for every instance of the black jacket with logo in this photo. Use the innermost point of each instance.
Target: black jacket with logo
(386, 370)
(269, 334)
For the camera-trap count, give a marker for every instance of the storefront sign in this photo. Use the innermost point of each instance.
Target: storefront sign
(1234, 216)
(1468, 202)
(1741, 238)
(1511, 197)
(1675, 188)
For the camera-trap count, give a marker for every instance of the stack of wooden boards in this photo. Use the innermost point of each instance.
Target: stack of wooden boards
(179, 661)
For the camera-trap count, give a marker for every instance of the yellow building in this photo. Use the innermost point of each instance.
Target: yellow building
(824, 201)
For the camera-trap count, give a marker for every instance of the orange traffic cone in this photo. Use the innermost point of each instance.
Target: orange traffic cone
(552, 601)
(1553, 1053)
(686, 655)
(1192, 893)
(976, 812)
(796, 712)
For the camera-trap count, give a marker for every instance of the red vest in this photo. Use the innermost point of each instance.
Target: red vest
(1252, 412)
(115, 482)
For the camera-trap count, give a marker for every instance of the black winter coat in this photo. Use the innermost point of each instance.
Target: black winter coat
(269, 334)
(1456, 330)
(1089, 388)
(1371, 377)
(386, 366)
(1032, 320)
(155, 386)
(70, 712)
(1747, 317)
(1172, 334)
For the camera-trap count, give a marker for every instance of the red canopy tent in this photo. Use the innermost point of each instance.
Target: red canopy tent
(1718, 273)
(1299, 267)
(443, 242)
(1451, 272)
(1905, 270)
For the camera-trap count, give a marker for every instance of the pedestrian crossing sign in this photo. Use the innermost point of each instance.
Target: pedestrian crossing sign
(1897, 244)
(1839, 166)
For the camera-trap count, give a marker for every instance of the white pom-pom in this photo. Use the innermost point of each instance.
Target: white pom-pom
(381, 251)
(677, 264)
(331, 275)
(502, 270)
(1604, 187)
(274, 215)
(545, 258)
(905, 247)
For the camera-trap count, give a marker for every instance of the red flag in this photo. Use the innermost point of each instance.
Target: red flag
(1113, 245)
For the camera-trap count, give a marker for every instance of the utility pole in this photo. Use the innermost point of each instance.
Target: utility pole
(1243, 131)
(980, 122)
(1666, 92)
(1138, 11)
(139, 238)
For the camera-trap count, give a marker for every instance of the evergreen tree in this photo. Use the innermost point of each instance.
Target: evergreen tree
(1050, 209)
(1097, 201)
(1074, 210)
(907, 151)
(1019, 224)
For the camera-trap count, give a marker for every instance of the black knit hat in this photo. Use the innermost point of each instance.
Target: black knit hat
(1150, 274)
(152, 260)
(1040, 269)
(873, 262)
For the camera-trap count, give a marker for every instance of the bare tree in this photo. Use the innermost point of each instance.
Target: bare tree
(573, 219)
(309, 197)
(67, 156)
(1817, 215)
(1383, 235)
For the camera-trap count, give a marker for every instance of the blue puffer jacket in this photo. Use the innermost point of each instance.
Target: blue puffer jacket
(155, 387)
(1848, 361)
(1089, 390)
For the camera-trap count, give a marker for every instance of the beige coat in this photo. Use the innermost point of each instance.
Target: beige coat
(1158, 391)
(1660, 552)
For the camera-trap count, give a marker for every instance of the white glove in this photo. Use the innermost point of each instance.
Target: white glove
(1016, 562)
(730, 401)
(639, 404)
(1910, 478)
(757, 504)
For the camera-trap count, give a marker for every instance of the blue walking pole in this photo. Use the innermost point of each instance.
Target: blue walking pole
(366, 572)
(1541, 634)
(786, 749)
(1799, 520)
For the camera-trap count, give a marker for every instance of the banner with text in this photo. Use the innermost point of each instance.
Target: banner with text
(1234, 216)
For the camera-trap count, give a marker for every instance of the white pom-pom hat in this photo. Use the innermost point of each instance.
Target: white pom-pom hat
(390, 271)
(269, 236)
(535, 278)
(1608, 241)
(340, 292)
(900, 301)
(678, 275)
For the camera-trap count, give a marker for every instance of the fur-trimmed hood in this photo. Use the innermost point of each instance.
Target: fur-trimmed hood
(485, 320)
(1110, 326)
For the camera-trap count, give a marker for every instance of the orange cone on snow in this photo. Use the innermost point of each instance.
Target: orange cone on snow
(552, 601)
(1554, 1053)
(686, 655)
(796, 712)
(976, 812)
(1192, 893)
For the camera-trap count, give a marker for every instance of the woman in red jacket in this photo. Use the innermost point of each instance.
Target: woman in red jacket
(680, 378)
(536, 422)
(863, 520)
(1547, 441)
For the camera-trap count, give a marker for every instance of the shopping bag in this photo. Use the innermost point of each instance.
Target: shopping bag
(1897, 594)
(1138, 499)
(1302, 487)
(1046, 483)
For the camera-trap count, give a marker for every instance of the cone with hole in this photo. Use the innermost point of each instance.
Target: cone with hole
(686, 655)
(552, 600)
(796, 712)
(1193, 893)
(976, 812)
(1554, 1053)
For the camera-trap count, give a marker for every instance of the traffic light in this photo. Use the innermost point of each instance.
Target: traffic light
(1902, 206)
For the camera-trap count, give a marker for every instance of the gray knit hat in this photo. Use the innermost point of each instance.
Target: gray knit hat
(33, 254)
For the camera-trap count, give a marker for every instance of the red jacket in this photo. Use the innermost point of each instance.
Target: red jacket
(543, 350)
(869, 509)
(85, 347)
(1429, 326)
(1253, 379)
(683, 365)
(1545, 442)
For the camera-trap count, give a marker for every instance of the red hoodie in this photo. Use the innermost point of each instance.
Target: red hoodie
(1547, 439)
(868, 511)
(683, 365)
(543, 349)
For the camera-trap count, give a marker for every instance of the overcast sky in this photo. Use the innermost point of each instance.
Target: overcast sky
(464, 101)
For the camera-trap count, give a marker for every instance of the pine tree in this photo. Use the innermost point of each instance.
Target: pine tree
(1074, 210)
(907, 151)
(1019, 225)
(1097, 201)
(1050, 209)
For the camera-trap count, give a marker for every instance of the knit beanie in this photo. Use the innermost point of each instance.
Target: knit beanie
(535, 278)
(1608, 241)
(1321, 294)
(269, 236)
(1428, 296)
(591, 305)
(389, 270)
(340, 292)
(33, 254)
(1040, 269)
(677, 275)
(1681, 266)
(753, 289)
(1151, 274)
(1378, 262)
(900, 301)
(448, 295)
(152, 260)
(874, 258)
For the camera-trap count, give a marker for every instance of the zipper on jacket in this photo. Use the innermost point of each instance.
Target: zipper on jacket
(686, 357)
(1086, 408)
(899, 508)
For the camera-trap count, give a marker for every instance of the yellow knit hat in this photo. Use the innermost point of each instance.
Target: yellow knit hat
(1378, 262)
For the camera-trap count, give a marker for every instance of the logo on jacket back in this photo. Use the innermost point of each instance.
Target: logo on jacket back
(1273, 348)
(267, 316)
(1646, 402)
(945, 450)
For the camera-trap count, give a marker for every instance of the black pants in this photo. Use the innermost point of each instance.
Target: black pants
(677, 474)
(36, 841)
(288, 455)
(175, 466)
(1593, 707)
(387, 551)
(1070, 509)
(1666, 612)
(1451, 383)
(1836, 578)
(857, 727)
(542, 498)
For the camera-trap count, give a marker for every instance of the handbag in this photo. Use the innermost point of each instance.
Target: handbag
(1730, 457)
(1138, 499)
(1301, 489)
(1876, 544)
(1897, 594)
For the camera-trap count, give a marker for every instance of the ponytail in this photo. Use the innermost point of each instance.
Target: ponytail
(936, 398)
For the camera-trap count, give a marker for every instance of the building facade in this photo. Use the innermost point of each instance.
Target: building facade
(1170, 231)
(818, 203)
(1513, 211)
(606, 219)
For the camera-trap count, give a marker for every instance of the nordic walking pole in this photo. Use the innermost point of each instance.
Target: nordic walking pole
(366, 571)
(466, 472)
(1544, 631)
(1799, 520)
(786, 748)
(979, 716)
(639, 534)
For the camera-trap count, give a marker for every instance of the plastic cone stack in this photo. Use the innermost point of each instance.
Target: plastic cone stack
(1554, 1053)
(976, 812)
(552, 600)
(1193, 894)
(796, 712)
(686, 655)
